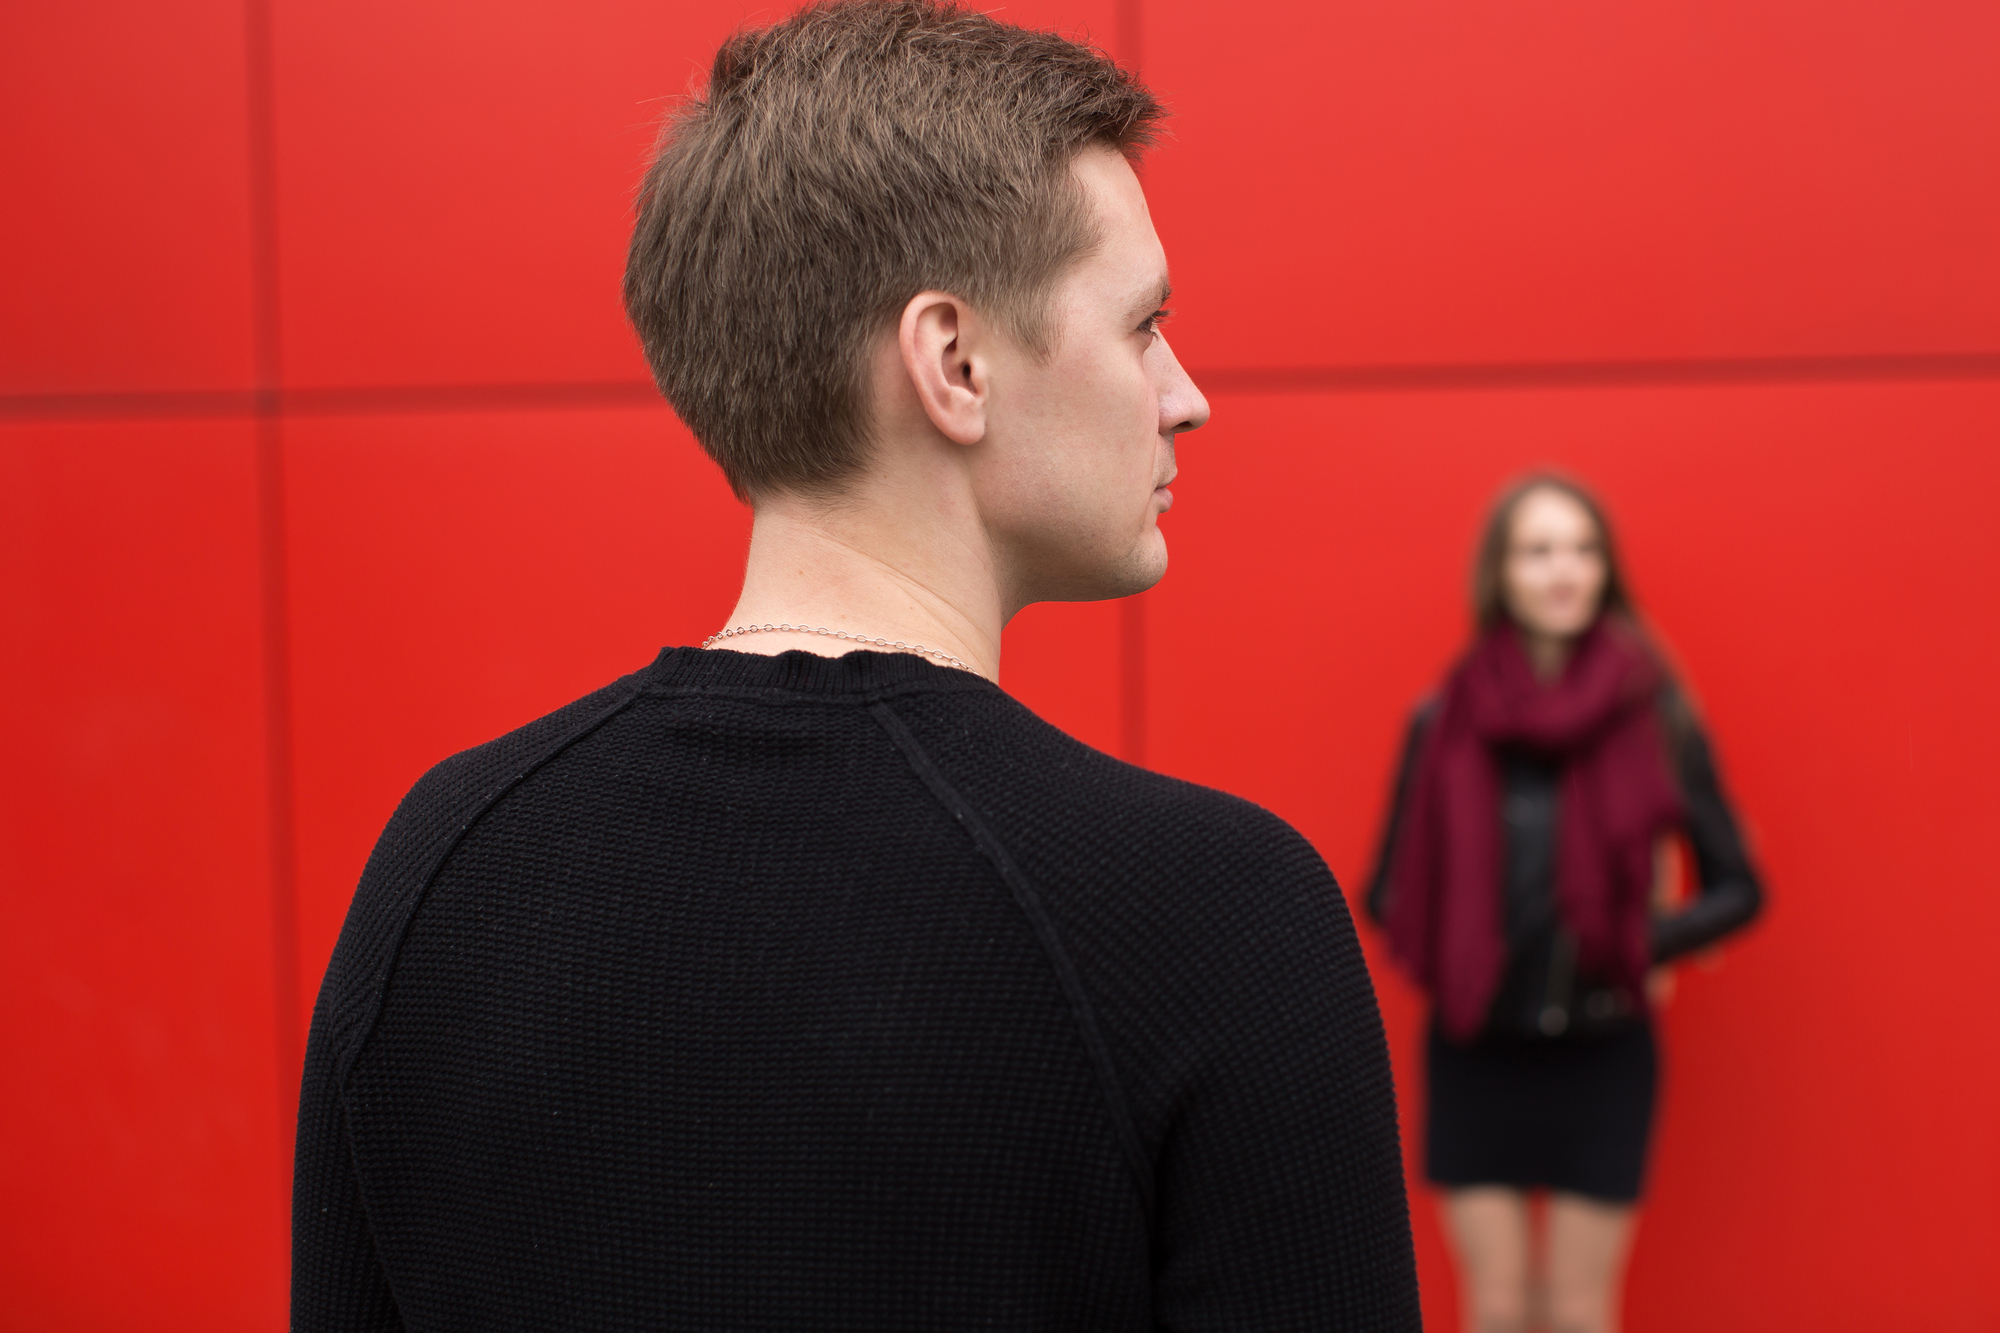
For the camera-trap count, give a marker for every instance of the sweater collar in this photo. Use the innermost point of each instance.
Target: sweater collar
(859, 672)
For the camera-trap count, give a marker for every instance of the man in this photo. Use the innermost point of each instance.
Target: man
(786, 985)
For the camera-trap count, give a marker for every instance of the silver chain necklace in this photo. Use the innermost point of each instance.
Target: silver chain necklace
(897, 644)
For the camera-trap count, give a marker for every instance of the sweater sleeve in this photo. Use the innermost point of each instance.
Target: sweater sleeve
(1377, 898)
(337, 1281)
(1281, 1199)
(1730, 893)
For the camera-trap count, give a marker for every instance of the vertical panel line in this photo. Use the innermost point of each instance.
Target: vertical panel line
(260, 90)
(1131, 28)
(1131, 34)
(1132, 679)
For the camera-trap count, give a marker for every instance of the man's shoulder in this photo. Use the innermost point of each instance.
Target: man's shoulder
(428, 822)
(1119, 810)
(470, 778)
(1241, 832)
(1186, 908)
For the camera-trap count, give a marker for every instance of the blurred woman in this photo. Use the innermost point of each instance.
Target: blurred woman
(1524, 882)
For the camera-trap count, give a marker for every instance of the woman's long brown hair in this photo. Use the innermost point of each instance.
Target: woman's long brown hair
(1489, 601)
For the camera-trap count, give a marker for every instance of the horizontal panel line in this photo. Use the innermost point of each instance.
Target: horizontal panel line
(1588, 374)
(115, 406)
(364, 400)
(390, 399)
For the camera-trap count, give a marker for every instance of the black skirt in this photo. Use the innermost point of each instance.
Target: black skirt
(1572, 1114)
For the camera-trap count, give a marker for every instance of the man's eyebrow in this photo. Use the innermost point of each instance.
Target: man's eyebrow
(1156, 298)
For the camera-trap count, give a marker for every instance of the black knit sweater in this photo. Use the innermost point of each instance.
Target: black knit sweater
(816, 993)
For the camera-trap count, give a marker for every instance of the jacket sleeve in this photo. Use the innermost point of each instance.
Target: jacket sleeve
(337, 1281)
(1377, 898)
(1730, 893)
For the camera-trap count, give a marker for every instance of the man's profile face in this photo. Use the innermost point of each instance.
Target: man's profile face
(1083, 441)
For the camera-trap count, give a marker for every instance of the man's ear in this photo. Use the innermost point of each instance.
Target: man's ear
(938, 338)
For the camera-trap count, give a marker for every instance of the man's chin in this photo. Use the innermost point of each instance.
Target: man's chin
(1127, 578)
(1156, 572)
(1143, 572)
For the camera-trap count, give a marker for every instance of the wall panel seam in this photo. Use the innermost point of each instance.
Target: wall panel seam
(388, 400)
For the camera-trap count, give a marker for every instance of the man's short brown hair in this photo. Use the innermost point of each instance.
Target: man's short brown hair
(838, 163)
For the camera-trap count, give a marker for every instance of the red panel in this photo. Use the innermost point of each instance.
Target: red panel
(1822, 561)
(1465, 181)
(456, 576)
(456, 179)
(1061, 659)
(145, 1180)
(124, 245)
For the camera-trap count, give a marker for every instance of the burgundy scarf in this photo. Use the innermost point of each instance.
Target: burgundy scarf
(1599, 722)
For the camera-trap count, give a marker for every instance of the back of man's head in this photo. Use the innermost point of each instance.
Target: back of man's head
(837, 164)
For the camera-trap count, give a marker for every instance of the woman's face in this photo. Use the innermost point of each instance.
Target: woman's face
(1553, 577)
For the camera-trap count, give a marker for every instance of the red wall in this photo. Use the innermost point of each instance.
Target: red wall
(324, 452)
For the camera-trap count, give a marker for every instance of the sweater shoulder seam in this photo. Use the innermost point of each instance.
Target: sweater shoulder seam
(1083, 1013)
(379, 983)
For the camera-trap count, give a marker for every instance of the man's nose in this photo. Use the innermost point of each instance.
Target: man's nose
(1182, 405)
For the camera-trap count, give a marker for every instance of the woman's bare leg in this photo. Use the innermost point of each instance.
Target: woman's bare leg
(1588, 1242)
(1489, 1233)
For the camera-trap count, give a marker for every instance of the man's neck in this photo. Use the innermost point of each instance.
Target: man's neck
(851, 567)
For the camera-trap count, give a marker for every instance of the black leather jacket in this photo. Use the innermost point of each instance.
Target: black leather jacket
(1541, 994)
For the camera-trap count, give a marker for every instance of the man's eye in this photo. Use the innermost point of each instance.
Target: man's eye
(1152, 322)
